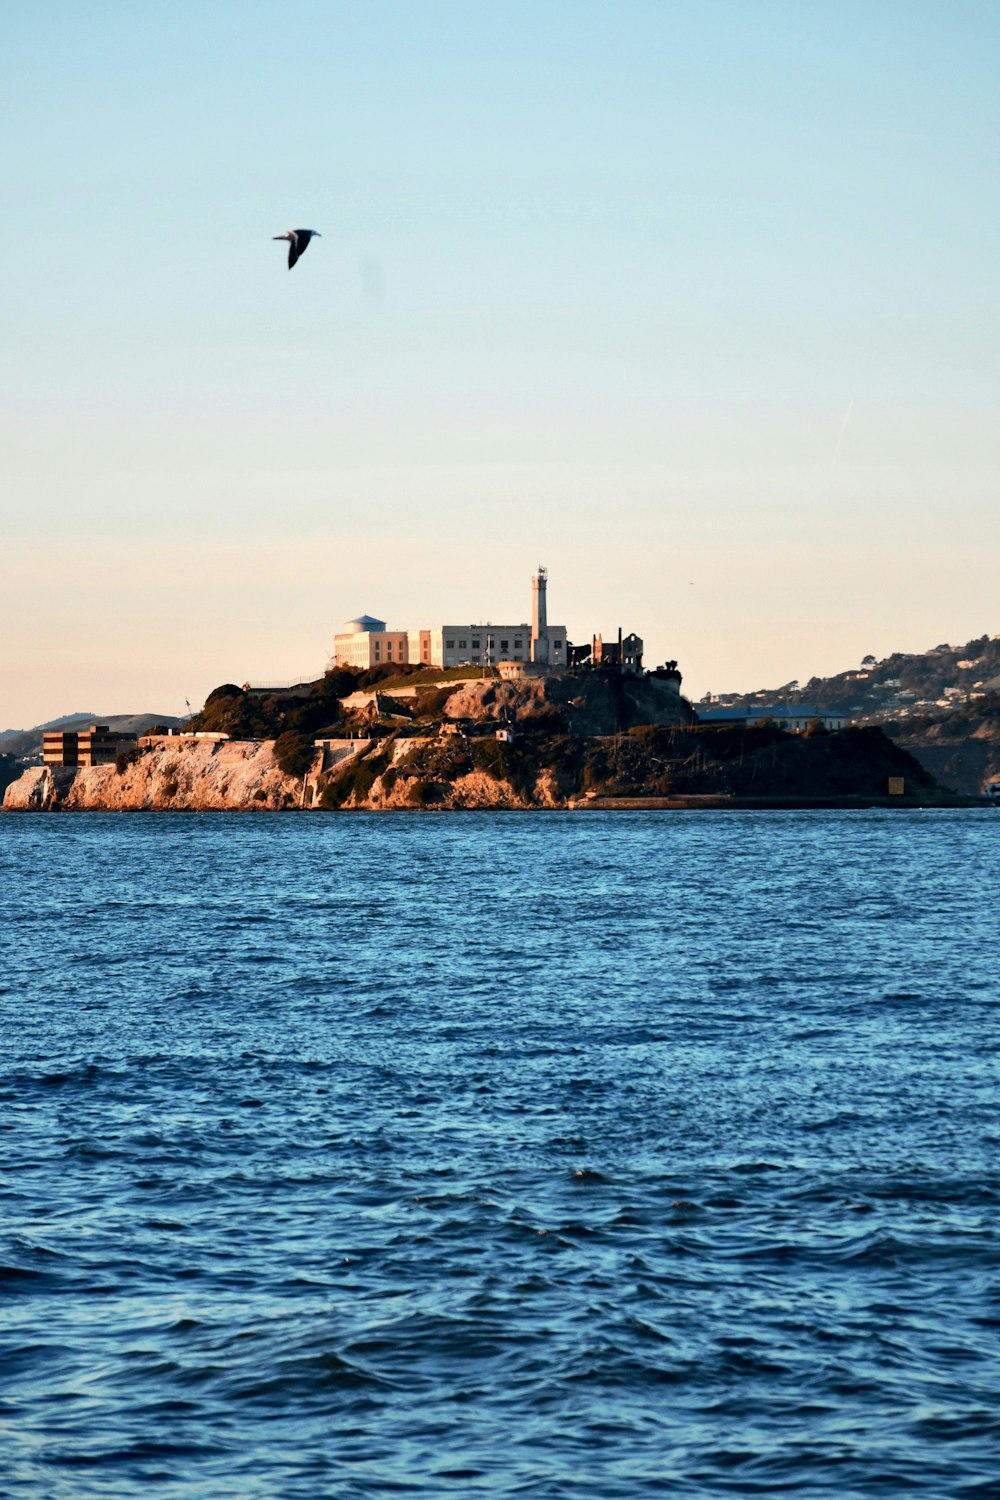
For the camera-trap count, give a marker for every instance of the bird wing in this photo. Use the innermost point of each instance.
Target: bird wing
(293, 250)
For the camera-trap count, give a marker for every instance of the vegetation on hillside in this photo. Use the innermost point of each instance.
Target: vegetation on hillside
(742, 761)
(980, 717)
(878, 689)
(414, 675)
(293, 750)
(251, 716)
(10, 770)
(651, 760)
(646, 760)
(254, 715)
(960, 746)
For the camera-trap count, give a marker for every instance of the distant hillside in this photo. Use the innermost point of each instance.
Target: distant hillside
(898, 687)
(959, 747)
(942, 705)
(10, 770)
(26, 744)
(66, 721)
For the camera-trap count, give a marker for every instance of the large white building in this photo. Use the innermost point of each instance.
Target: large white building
(365, 642)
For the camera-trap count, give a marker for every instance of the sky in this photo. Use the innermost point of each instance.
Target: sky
(693, 301)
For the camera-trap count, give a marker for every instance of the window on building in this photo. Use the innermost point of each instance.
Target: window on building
(517, 644)
(462, 645)
(558, 644)
(475, 645)
(449, 645)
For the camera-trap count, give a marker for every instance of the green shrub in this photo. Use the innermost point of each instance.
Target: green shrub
(336, 684)
(430, 703)
(356, 781)
(412, 675)
(246, 716)
(333, 794)
(492, 757)
(293, 751)
(544, 718)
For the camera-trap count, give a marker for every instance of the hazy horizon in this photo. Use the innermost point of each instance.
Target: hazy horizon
(696, 305)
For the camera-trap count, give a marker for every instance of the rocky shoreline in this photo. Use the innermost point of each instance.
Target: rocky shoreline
(651, 767)
(174, 774)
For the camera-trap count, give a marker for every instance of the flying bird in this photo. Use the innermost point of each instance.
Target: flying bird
(297, 239)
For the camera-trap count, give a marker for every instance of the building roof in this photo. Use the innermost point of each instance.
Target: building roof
(364, 623)
(775, 711)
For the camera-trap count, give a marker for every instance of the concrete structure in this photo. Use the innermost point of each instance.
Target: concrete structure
(180, 734)
(365, 642)
(97, 745)
(514, 671)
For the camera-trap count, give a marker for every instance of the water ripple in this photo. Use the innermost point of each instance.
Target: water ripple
(529, 1157)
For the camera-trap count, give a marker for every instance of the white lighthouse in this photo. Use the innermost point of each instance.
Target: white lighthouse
(539, 618)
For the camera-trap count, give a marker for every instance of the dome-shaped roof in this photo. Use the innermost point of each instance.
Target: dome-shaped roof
(364, 623)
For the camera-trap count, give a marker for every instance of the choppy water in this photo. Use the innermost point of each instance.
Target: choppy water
(520, 1155)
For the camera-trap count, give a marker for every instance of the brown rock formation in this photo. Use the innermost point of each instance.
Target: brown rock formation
(174, 773)
(590, 703)
(39, 789)
(535, 764)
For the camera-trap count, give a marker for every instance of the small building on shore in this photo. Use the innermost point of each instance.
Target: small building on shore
(98, 745)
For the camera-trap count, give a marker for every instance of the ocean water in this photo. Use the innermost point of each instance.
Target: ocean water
(550, 1155)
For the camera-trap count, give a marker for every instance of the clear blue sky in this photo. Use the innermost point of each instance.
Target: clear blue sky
(696, 303)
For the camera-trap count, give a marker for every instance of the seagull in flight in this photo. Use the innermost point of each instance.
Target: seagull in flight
(297, 239)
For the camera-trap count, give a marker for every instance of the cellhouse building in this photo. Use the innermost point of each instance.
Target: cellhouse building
(365, 642)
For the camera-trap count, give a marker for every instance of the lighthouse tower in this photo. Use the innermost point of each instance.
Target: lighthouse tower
(539, 618)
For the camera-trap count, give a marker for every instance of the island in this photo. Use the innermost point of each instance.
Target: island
(408, 738)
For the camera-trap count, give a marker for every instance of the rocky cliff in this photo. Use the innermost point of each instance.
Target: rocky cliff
(586, 704)
(175, 774)
(464, 760)
(39, 789)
